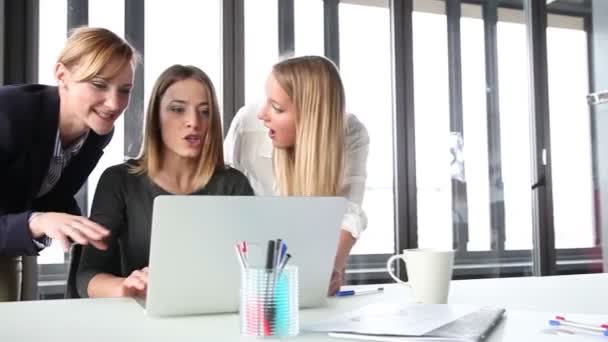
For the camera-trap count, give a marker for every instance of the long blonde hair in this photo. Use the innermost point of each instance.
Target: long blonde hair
(314, 166)
(212, 154)
(90, 49)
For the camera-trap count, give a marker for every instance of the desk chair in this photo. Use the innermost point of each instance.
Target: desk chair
(29, 278)
(19, 277)
(70, 289)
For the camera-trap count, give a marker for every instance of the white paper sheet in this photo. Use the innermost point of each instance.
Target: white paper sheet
(391, 319)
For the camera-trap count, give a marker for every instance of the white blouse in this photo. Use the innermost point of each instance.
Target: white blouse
(248, 148)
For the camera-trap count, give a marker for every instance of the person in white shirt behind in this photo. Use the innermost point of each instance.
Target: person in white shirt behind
(301, 142)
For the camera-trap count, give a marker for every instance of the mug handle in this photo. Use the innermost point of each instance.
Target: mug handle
(389, 263)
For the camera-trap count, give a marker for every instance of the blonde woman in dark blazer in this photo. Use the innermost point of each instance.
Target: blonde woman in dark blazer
(50, 140)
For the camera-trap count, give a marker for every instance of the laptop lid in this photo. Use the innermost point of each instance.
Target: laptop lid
(193, 267)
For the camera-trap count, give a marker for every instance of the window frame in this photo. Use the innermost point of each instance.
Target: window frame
(360, 268)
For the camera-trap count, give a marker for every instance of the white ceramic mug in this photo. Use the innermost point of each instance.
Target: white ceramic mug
(429, 272)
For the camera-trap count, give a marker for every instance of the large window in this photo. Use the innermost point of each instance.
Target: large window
(368, 96)
(182, 32)
(474, 160)
(53, 31)
(432, 119)
(109, 14)
(261, 46)
(475, 124)
(497, 140)
(308, 27)
(570, 120)
(490, 157)
(515, 130)
(52, 34)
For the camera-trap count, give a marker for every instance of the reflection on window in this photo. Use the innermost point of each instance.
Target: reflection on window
(261, 46)
(308, 27)
(573, 193)
(53, 31)
(368, 96)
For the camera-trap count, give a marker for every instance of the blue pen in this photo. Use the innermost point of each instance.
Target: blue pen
(358, 292)
(284, 262)
(282, 252)
(555, 322)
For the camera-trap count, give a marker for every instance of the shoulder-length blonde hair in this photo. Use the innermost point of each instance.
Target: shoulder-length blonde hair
(90, 49)
(314, 166)
(150, 160)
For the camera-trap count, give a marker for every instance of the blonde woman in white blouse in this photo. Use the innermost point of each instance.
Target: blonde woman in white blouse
(300, 142)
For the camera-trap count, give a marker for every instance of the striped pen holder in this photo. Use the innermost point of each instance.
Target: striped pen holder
(269, 302)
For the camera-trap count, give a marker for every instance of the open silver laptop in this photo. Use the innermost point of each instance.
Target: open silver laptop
(193, 266)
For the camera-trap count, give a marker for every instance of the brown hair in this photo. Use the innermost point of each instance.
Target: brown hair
(212, 154)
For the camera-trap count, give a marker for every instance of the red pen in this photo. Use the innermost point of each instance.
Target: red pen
(243, 246)
(563, 319)
(239, 256)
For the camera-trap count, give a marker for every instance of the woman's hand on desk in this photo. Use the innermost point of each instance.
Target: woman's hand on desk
(337, 280)
(338, 276)
(136, 284)
(67, 228)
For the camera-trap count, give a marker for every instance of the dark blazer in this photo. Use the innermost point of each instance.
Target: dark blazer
(29, 118)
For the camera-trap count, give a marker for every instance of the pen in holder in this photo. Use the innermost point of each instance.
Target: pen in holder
(269, 302)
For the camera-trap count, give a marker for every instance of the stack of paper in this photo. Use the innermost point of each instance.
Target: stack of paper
(388, 322)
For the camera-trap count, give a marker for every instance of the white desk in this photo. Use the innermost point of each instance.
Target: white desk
(122, 319)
